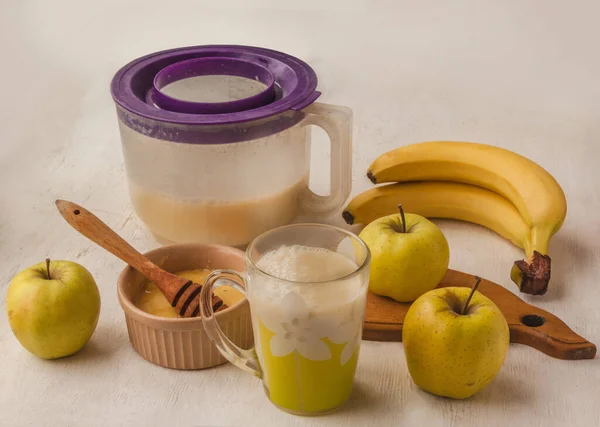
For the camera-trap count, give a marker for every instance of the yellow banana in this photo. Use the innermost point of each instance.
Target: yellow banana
(438, 199)
(533, 191)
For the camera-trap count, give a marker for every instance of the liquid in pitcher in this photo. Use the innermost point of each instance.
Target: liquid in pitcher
(233, 223)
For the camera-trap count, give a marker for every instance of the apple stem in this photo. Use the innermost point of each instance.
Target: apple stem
(48, 268)
(402, 217)
(473, 289)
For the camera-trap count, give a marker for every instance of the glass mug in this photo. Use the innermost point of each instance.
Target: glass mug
(307, 288)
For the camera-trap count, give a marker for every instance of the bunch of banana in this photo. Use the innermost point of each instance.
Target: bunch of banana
(478, 183)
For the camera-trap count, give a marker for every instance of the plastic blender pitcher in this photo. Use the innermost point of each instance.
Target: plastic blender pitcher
(216, 142)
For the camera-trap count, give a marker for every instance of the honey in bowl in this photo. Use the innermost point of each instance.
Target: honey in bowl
(152, 301)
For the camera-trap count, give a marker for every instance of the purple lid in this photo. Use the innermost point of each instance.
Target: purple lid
(290, 84)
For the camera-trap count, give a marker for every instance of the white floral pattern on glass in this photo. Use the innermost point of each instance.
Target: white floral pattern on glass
(348, 333)
(297, 330)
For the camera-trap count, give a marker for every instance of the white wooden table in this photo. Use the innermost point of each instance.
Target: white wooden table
(522, 75)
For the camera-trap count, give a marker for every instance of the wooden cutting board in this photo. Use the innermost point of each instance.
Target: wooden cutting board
(528, 324)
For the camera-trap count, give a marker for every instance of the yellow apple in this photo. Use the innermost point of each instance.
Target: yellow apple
(408, 257)
(451, 352)
(53, 308)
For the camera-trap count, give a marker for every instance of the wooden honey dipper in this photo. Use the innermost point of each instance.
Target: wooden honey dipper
(180, 292)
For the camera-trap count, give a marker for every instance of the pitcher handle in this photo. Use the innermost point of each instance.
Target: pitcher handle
(244, 359)
(336, 121)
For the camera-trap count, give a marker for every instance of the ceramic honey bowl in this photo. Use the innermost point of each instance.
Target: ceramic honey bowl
(161, 337)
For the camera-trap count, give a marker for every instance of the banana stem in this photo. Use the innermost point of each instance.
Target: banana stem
(539, 240)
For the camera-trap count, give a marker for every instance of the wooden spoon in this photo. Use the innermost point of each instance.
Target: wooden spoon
(180, 292)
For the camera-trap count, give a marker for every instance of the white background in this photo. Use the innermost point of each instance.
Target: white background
(523, 75)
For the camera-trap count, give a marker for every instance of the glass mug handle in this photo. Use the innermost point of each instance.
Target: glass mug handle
(336, 121)
(244, 359)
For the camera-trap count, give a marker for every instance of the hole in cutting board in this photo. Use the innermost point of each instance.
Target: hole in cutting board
(533, 320)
